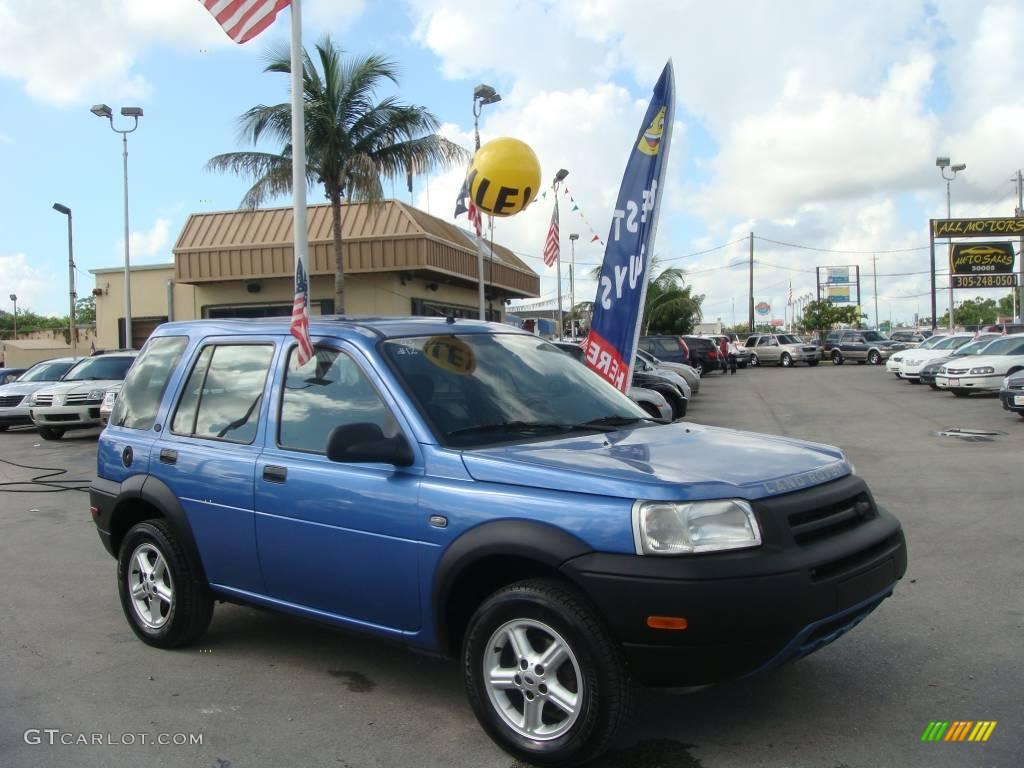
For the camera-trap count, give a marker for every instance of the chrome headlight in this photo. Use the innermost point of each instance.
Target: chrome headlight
(96, 394)
(681, 528)
(1005, 385)
(983, 370)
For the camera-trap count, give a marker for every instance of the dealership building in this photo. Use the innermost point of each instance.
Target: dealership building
(398, 261)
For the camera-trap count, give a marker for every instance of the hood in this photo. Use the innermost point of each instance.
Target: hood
(925, 354)
(24, 388)
(999, 362)
(674, 461)
(68, 387)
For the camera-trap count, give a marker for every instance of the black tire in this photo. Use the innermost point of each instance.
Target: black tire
(916, 381)
(755, 362)
(651, 410)
(699, 368)
(606, 690)
(3, 427)
(741, 366)
(191, 606)
(786, 360)
(1021, 414)
(812, 363)
(837, 357)
(875, 357)
(933, 386)
(960, 392)
(862, 362)
(685, 405)
(50, 433)
(675, 402)
(899, 375)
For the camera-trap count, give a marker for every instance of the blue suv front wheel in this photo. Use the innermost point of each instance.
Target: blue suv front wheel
(544, 677)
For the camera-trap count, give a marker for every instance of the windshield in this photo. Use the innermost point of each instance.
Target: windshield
(1011, 346)
(48, 371)
(874, 336)
(788, 338)
(932, 342)
(951, 342)
(483, 389)
(100, 368)
(974, 348)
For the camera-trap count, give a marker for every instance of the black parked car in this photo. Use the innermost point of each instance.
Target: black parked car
(1012, 394)
(703, 354)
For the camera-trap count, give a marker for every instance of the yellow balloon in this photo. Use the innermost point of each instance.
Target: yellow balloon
(504, 177)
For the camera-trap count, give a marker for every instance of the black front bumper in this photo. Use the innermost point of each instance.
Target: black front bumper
(813, 579)
(1006, 398)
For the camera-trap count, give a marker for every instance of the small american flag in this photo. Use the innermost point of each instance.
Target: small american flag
(244, 19)
(551, 247)
(299, 327)
(464, 204)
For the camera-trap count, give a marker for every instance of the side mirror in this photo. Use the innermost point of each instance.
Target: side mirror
(364, 442)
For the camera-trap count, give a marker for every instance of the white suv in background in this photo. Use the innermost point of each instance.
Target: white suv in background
(74, 402)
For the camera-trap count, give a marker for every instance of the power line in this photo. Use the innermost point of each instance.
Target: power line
(835, 250)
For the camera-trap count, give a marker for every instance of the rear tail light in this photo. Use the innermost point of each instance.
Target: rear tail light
(712, 354)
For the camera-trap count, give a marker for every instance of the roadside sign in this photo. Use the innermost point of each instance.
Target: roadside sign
(985, 281)
(981, 258)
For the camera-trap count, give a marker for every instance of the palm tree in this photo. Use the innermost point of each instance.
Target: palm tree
(353, 140)
(670, 306)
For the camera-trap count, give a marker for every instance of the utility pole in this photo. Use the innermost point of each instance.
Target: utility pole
(1020, 280)
(874, 272)
(751, 318)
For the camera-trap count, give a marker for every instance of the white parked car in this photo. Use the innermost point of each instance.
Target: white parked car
(916, 359)
(74, 402)
(14, 397)
(984, 373)
(894, 364)
(107, 406)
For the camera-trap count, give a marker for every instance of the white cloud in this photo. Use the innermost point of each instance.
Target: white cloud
(64, 51)
(150, 245)
(32, 286)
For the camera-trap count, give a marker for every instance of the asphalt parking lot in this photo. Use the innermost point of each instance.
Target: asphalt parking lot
(265, 690)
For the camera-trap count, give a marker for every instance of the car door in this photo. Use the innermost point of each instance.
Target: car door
(341, 539)
(767, 349)
(207, 455)
(854, 346)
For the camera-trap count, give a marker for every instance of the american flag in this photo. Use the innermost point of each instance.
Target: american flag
(464, 204)
(789, 296)
(299, 327)
(244, 19)
(551, 247)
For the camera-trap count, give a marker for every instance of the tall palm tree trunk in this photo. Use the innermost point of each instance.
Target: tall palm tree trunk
(339, 261)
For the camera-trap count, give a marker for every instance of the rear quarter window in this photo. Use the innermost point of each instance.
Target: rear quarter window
(137, 405)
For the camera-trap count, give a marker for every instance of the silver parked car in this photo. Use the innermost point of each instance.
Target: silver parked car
(783, 349)
(688, 373)
(14, 397)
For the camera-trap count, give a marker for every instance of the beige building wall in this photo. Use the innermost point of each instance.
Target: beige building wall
(149, 299)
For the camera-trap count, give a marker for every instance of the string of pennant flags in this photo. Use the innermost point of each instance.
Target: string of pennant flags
(595, 238)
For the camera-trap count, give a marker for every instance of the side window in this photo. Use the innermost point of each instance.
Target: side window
(328, 391)
(764, 341)
(143, 389)
(666, 347)
(752, 341)
(222, 396)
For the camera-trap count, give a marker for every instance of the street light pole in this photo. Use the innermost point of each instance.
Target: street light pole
(943, 164)
(572, 286)
(559, 178)
(14, 298)
(102, 110)
(874, 275)
(482, 95)
(72, 330)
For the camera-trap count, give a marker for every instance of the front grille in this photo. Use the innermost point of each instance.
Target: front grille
(81, 398)
(854, 561)
(955, 371)
(812, 525)
(11, 400)
(61, 417)
(43, 400)
(1017, 387)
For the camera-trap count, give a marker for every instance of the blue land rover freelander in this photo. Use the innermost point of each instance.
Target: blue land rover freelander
(470, 490)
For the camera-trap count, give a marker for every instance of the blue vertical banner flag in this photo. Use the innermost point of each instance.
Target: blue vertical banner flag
(622, 287)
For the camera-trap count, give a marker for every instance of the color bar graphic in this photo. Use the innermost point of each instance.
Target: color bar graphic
(958, 730)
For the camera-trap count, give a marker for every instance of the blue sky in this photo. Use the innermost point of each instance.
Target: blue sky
(798, 122)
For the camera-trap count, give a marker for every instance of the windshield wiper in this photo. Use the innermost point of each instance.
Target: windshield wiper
(512, 426)
(613, 421)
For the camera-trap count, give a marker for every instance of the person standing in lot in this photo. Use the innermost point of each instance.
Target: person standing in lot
(727, 355)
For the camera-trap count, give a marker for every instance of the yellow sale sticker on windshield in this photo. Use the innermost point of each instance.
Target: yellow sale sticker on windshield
(450, 353)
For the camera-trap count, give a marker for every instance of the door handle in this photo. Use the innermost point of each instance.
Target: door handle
(275, 474)
(168, 456)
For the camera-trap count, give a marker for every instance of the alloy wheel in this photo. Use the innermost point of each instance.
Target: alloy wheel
(150, 586)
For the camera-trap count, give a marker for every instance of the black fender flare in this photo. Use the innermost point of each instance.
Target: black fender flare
(544, 543)
(157, 494)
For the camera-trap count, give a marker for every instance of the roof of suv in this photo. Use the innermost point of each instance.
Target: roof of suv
(335, 325)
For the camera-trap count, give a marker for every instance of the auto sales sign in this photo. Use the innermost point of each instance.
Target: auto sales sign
(622, 287)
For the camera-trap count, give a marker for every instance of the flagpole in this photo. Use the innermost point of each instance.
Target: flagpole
(299, 236)
(558, 265)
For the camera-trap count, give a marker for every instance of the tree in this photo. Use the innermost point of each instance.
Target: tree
(670, 306)
(85, 310)
(352, 138)
(823, 315)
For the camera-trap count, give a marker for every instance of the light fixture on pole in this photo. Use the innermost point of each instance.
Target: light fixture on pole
(14, 298)
(572, 285)
(72, 330)
(102, 110)
(482, 95)
(559, 178)
(943, 163)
